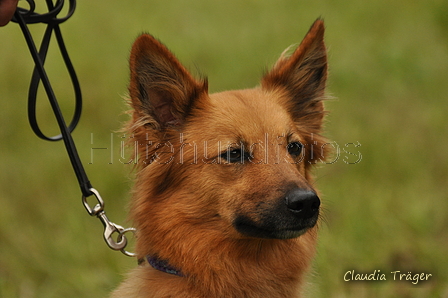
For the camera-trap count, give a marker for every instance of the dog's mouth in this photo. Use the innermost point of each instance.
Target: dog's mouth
(270, 230)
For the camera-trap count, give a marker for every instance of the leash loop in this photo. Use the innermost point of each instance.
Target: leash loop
(32, 17)
(24, 17)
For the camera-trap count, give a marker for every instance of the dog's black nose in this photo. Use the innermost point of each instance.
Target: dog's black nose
(304, 203)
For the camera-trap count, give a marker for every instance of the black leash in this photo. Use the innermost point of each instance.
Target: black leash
(28, 16)
(24, 17)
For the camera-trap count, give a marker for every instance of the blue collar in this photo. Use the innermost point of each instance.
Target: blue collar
(163, 265)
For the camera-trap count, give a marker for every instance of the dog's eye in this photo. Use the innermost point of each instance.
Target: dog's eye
(234, 155)
(295, 148)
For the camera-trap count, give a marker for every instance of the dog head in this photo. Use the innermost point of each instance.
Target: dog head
(235, 163)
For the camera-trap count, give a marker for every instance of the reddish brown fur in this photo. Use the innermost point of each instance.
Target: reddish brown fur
(186, 198)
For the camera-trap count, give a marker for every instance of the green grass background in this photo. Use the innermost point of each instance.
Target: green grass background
(389, 69)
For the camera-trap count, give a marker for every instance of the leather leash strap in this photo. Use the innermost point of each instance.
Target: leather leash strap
(24, 17)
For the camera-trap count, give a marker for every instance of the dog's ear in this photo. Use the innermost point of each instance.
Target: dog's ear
(162, 91)
(303, 75)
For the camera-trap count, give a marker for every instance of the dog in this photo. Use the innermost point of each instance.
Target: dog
(224, 201)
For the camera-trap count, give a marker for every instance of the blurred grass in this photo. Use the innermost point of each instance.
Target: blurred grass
(389, 65)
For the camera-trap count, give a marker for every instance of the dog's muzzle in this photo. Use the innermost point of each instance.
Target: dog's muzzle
(290, 217)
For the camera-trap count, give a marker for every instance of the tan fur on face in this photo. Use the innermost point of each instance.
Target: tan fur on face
(187, 196)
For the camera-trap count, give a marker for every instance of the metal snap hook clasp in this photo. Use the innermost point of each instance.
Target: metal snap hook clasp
(109, 229)
(120, 241)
